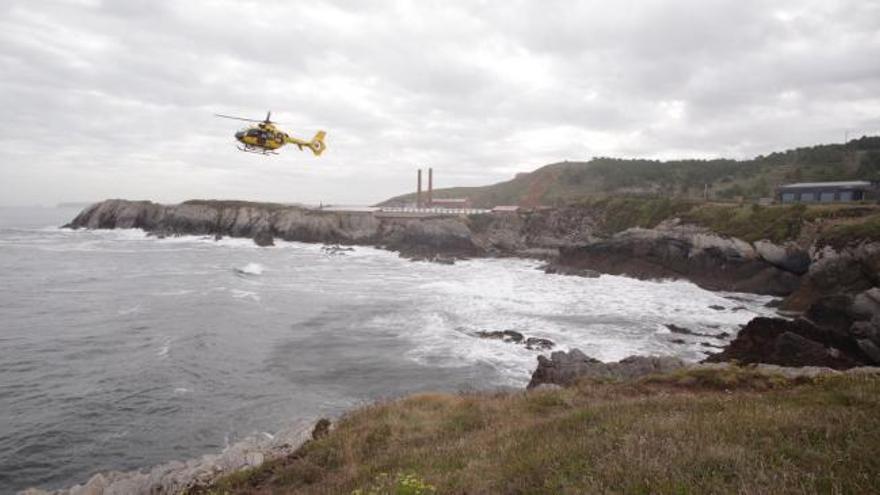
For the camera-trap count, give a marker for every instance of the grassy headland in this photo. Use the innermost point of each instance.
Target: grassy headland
(835, 223)
(697, 431)
(572, 181)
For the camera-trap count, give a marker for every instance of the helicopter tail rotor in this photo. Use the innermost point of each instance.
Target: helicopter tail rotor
(317, 143)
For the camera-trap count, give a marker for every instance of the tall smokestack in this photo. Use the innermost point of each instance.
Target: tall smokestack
(419, 193)
(430, 187)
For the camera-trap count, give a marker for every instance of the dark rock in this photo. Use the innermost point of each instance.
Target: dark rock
(710, 261)
(218, 237)
(870, 349)
(678, 341)
(789, 258)
(504, 335)
(831, 311)
(535, 343)
(774, 303)
(791, 343)
(682, 330)
(722, 335)
(686, 331)
(865, 330)
(791, 349)
(322, 429)
(717, 307)
(428, 238)
(567, 368)
(556, 269)
(264, 238)
(709, 344)
(335, 249)
(866, 305)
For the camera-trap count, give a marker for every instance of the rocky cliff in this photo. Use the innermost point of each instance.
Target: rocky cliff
(266, 221)
(694, 253)
(576, 238)
(536, 234)
(817, 276)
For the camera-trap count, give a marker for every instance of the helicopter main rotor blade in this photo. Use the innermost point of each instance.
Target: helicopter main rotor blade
(237, 118)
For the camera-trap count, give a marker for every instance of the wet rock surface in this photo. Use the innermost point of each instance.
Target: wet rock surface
(557, 269)
(565, 368)
(336, 249)
(264, 238)
(514, 337)
(504, 335)
(538, 344)
(569, 237)
(832, 338)
(177, 477)
(683, 252)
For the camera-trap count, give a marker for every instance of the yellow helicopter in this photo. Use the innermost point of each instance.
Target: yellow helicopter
(264, 138)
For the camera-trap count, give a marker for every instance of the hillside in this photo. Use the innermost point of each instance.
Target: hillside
(566, 182)
(696, 431)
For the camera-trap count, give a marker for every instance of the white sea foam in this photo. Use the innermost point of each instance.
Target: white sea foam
(173, 293)
(608, 317)
(245, 294)
(129, 311)
(165, 348)
(250, 269)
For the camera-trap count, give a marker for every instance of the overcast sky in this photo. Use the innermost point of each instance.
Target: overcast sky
(115, 98)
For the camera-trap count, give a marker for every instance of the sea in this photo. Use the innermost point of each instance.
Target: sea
(121, 351)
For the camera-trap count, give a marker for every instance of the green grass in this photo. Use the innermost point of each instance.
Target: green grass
(853, 232)
(777, 223)
(727, 431)
(620, 212)
(751, 222)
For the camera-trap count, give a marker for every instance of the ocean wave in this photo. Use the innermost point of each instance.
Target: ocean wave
(164, 349)
(250, 269)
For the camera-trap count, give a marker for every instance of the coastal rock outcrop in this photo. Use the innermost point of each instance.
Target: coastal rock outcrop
(845, 269)
(427, 238)
(264, 238)
(177, 477)
(838, 331)
(566, 368)
(514, 337)
(574, 239)
(682, 251)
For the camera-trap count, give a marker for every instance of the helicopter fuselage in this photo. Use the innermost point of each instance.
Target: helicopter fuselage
(263, 136)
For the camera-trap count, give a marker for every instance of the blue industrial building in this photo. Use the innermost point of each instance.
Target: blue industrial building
(827, 192)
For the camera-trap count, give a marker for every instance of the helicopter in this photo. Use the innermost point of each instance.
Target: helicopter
(264, 138)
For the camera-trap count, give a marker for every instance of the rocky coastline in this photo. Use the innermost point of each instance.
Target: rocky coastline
(831, 290)
(829, 324)
(183, 476)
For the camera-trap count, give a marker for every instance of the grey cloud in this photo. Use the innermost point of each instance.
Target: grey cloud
(115, 98)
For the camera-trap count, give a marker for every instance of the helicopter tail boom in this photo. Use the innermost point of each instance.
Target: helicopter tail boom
(316, 144)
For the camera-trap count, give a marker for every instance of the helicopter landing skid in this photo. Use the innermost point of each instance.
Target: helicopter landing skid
(257, 151)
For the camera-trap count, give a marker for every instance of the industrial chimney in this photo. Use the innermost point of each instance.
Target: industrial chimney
(419, 190)
(430, 187)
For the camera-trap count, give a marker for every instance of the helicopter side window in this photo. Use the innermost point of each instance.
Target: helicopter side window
(254, 133)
